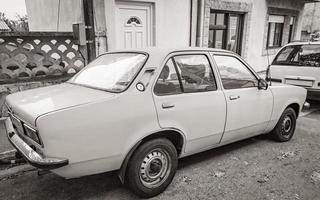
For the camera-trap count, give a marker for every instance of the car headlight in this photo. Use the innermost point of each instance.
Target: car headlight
(32, 133)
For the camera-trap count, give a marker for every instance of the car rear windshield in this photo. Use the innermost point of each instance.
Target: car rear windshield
(111, 72)
(299, 55)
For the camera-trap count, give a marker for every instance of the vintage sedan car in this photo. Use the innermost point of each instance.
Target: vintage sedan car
(139, 111)
(298, 63)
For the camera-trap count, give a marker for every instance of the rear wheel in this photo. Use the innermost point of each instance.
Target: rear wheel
(285, 127)
(152, 167)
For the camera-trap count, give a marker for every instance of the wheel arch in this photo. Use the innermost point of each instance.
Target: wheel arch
(295, 107)
(174, 135)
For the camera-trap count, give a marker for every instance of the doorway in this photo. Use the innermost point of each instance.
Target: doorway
(134, 22)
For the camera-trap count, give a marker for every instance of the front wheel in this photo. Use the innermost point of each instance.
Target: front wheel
(285, 127)
(152, 167)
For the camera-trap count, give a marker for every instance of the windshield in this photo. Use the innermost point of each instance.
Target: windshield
(112, 72)
(299, 55)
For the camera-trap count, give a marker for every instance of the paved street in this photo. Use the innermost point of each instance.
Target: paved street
(256, 168)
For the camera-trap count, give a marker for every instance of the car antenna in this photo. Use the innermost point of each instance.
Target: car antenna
(268, 76)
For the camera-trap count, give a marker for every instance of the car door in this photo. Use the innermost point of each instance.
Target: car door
(248, 108)
(188, 98)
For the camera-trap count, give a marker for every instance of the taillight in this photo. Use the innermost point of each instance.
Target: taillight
(32, 133)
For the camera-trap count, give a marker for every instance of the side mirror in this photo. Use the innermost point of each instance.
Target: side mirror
(262, 84)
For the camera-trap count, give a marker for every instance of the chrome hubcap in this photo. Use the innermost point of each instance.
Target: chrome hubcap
(155, 168)
(287, 125)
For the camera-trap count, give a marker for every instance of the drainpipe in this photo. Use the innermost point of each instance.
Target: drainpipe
(200, 14)
(191, 24)
(312, 18)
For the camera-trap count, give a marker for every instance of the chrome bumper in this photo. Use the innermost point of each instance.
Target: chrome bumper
(306, 106)
(29, 154)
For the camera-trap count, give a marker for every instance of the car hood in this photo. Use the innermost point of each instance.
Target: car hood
(30, 104)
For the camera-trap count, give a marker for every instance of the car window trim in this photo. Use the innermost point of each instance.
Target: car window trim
(212, 54)
(178, 74)
(177, 53)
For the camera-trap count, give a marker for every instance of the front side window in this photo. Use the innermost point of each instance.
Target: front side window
(275, 30)
(111, 72)
(299, 55)
(187, 73)
(234, 74)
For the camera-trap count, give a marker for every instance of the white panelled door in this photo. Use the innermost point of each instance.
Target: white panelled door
(133, 25)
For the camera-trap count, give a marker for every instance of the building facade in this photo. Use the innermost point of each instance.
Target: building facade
(255, 29)
(311, 21)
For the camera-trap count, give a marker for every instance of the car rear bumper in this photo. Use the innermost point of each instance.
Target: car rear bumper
(34, 158)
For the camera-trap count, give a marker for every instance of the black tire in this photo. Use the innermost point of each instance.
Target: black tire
(152, 158)
(285, 127)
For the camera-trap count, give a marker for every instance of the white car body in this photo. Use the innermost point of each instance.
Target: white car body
(301, 75)
(96, 131)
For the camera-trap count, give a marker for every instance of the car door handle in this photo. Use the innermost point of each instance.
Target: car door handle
(167, 105)
(234, 97)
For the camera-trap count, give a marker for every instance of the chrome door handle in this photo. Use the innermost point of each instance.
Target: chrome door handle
(167, 105)
(234, 97)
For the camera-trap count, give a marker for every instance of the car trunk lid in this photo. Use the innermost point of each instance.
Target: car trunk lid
(30, 104)
(296, 75)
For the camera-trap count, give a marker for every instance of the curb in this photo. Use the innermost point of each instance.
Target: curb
(307, 112)
(15, 171)
(8, 154)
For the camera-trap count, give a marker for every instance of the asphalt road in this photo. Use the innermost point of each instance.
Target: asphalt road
(256, 168)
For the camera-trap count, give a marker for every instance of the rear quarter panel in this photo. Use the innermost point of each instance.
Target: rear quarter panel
(285, 95)
(97, 134)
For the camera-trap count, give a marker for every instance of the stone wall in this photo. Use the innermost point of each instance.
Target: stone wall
(36, 55)
(37, 59)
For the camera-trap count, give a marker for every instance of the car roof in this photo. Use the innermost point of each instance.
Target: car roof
(158, 54)
(166, 50)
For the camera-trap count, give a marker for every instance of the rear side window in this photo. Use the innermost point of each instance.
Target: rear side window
(168, 82)
(185, 73)
(299, 55)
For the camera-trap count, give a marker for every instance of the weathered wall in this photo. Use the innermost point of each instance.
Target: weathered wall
(48, 15)
(43, 15)
(311, 17)
(171, 21)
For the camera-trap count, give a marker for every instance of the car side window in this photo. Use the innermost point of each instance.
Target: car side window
(299, 55)
(168, 81)
(196, 73)
(234, 74)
